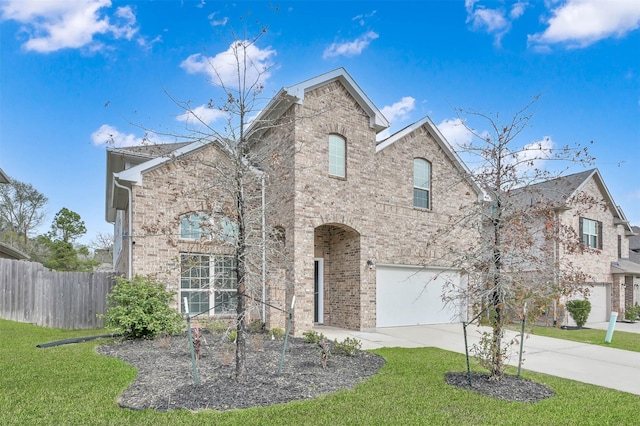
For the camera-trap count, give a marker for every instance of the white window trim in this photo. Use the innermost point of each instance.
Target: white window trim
(421, 188)
(211, 281)
(335, 169)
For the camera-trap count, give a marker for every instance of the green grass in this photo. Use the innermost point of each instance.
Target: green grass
(619, 340)
(73, 385)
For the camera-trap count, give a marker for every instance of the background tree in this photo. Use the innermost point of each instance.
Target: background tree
(102, 245)
(67, 227)
(510, 261)
(21, 209)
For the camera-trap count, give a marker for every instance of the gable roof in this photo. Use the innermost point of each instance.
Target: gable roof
(287, 96)
(3, 177)
(558, 193)
(126, 165)
(441, 141)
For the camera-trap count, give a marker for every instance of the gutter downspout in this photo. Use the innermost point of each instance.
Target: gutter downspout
(264, 254)
(130, 218)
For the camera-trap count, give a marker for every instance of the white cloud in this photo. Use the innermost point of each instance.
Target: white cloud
(455, 132)
(496, 21)
(217, 22)
(52, 25)
(201, 115)
(361, 18)
(108, 135)
(532, 156)
(580, 23)
(223, 68)
(400, 109)
(350, 48)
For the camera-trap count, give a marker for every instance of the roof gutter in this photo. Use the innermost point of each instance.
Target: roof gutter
(129, 225)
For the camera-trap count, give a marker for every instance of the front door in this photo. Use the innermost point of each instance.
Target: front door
(318, 291)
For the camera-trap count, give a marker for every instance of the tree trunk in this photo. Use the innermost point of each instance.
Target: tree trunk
(240, 255)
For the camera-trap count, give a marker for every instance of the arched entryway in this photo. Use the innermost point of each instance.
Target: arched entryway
(337, 282)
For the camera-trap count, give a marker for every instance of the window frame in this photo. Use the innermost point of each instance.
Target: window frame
(335, 169)
(418, 189)
(201, 226)
(590, 233)
(212, 284)
(196, 229)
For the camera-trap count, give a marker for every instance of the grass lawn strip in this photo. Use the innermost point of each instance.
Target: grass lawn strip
(620, 339)
(72, 384)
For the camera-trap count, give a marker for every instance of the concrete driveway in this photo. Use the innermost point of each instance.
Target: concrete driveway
(598, 365)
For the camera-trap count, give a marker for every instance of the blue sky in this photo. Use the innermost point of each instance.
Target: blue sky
(73, 72)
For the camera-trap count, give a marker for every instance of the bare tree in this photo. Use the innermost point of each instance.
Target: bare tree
(231, 192)
(514, 234)
(21, 208)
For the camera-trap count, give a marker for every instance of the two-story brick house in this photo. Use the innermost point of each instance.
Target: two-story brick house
(353, 214)
(352, 217)
(595, 239)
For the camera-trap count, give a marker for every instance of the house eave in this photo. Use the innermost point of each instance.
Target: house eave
(444, 145)
(295, 94)
(13, 253)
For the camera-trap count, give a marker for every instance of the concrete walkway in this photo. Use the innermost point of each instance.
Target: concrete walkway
(598, 365)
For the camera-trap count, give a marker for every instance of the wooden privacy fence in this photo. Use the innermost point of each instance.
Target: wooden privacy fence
(31, 293)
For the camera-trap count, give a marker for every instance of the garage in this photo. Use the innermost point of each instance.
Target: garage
(600, 299)
(412, 295)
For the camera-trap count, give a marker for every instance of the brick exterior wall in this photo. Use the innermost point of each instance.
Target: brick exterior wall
(590, 204)
(366, 216)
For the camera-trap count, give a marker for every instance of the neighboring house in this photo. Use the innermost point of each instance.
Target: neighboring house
(634, 245)
(353, 215)
(6, 251)
(596, 238)
(3, 177)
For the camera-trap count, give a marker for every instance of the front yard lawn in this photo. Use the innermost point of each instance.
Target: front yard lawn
(620, 339)
(73, 385)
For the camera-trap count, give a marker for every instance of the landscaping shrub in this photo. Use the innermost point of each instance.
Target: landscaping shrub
(579, 311)
(312, 336)
(139, 308)
(632, 313)
(348, 346)
(276, 333)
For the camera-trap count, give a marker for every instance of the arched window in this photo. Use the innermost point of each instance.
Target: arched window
(337, 156)
(195, 226)
(421, 183)
(198, 226)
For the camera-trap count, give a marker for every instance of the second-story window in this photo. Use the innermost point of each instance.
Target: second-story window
(421, 183)
(591, 233)
(195, 226)
(199, 226)
(337, 156)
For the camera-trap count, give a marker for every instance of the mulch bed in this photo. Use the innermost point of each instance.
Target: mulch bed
(508, 388)
(165, 376)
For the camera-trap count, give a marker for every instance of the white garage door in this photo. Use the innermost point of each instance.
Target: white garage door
(410, 295)
(600, 301)
(599, 296)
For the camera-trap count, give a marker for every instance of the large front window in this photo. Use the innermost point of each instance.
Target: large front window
(591, 231)
(208, 282)
(337, 156)
(421, 183)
